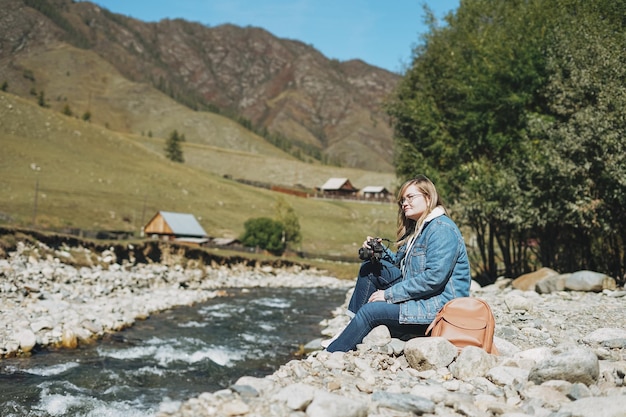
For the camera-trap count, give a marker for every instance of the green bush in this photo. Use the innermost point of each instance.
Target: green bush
(264, 233)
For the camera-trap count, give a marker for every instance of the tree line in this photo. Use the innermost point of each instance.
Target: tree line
(515, 109)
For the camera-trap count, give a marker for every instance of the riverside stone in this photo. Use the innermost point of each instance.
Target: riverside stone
(589, 281)
(297, 396)
(604, 336)
(572, 364)
(611, 406)
(518, 301)
(404, 402)
(472, 362)
(26, 340)
(429, 352)
(551, 284)
(326, 404)
(507, 375)
(379, 336)
(69, 339)
(528, 281)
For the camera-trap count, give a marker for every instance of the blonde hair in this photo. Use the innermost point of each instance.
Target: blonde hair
(407, 227)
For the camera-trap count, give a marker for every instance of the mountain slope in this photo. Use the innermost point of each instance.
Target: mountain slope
(281, 86)
(83, 81)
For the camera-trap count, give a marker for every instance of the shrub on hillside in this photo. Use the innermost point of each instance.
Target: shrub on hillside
(264, 233)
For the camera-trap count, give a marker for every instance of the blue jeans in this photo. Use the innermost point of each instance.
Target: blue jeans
(372, 277)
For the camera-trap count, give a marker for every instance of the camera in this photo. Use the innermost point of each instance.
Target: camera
(374, 253)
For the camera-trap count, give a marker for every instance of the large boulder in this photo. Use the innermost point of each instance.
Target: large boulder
(589, 281)
(528, 281)
(570, 363)
(424, 353)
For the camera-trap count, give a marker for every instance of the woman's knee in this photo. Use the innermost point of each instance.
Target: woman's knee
(373, 313)
(369, 268)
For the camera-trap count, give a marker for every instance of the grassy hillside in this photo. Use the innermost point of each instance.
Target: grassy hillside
(94, 178)
(81, 81)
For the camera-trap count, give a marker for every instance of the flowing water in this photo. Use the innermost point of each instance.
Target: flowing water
(173, 356)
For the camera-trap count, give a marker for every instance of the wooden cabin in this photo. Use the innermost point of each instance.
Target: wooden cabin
(338, 187)
(376, 192)
(180, 227)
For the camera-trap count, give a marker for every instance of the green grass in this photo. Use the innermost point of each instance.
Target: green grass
(96, 179)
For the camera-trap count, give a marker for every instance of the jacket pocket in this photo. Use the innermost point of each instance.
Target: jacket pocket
(416, 259)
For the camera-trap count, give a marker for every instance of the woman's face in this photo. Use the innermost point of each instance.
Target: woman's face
(413, 203)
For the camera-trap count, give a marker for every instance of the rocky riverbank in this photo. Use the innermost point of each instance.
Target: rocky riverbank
(47, 301)
(562, 354)
(562, 340)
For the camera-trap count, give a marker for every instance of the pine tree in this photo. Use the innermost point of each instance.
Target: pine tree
(41, 99)
(173, 149)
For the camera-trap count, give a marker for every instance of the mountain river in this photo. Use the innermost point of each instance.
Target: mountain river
(170, 357)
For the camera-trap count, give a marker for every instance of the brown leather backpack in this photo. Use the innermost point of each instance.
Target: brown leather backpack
(465, 321)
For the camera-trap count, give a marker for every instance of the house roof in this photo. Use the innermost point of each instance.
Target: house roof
(337, 184)
(223, 241)
(374, 189)
(183, 224)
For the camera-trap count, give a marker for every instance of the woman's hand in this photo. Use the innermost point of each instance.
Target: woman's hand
(378, 295)
(368, 240)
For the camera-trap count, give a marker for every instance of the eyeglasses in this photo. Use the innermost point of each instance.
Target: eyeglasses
(409, 198)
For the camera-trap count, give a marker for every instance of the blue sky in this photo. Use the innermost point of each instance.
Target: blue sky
(380, 32)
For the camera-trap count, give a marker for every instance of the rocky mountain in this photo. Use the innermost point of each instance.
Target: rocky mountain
(279, 88)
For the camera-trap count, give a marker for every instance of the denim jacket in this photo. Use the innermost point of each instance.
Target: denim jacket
(436, 271)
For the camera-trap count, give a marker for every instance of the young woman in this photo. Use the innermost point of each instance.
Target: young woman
(405, 290)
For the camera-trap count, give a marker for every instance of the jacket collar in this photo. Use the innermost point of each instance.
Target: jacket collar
(437, 211)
